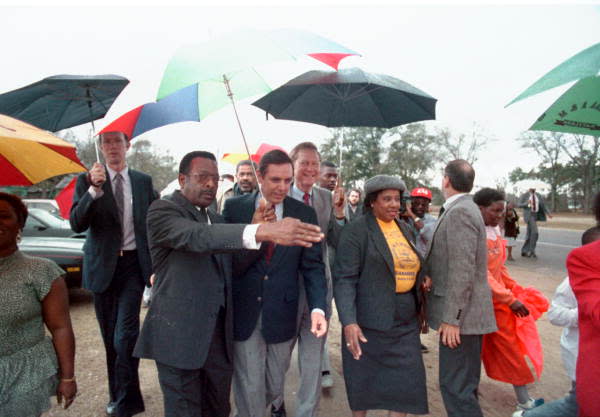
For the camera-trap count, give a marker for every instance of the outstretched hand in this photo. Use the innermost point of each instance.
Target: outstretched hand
(289, 232)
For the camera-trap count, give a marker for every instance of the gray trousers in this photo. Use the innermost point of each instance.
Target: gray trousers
(313, 358)
(563, 407)
(531, 237)
(258, 366)
(459, 373)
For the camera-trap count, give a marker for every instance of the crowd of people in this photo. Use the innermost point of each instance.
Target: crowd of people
(242, 277)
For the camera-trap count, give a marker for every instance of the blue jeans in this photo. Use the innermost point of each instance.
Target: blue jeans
(563, 407)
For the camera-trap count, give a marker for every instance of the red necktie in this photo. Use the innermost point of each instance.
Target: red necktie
(269, 252)
(306, 198)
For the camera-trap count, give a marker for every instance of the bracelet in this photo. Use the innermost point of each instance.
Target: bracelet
(68, 379)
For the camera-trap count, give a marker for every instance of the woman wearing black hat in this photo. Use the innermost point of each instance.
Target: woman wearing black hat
(378, 289)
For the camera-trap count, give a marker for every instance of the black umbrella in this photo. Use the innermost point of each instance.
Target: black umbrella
(349, 97)
(63, 101)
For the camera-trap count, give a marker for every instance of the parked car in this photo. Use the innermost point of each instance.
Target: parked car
(48, 204)
(67, 252)
(44, 224)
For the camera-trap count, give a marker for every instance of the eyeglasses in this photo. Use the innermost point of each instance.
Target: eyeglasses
(202, 177)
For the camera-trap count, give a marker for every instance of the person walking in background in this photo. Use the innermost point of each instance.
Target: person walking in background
(111, 203)
(379, 294)
(33, 293)
(516, 309)
(354, 207)
(245, 183)
(511, 229)
(266, 294)
(583, 267)
(534, 210)
(328, 177)
(460, 304)
(192, 251)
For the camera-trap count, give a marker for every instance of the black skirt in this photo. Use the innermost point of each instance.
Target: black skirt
(390, 374)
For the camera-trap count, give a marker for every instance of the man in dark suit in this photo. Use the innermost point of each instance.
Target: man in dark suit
(534, 210)
(189, 327)
(111, 204)
(265, 296)
(460, 304)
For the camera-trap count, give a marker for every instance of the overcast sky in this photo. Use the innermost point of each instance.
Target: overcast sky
(473, 59)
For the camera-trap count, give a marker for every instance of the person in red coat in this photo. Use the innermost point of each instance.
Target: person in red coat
(583, 265)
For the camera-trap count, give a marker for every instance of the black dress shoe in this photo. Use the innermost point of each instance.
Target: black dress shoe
(280, 412)
(525, 254)
(111, 408)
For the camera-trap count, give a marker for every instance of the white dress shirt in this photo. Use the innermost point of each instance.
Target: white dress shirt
(128, 242)
(449, 200)
(248, 236)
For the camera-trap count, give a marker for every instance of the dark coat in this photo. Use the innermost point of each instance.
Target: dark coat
(193, 280)
(364, 281)
(101, 219)
(273, 288)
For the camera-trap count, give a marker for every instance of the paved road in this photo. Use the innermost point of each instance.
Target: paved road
(552, 249)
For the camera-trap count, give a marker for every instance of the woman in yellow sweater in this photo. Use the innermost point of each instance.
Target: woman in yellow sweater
(378, 289)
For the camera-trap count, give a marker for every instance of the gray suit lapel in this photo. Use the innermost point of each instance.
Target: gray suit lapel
(380, 243)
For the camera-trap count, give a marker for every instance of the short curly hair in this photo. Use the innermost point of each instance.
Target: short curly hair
(18, 206)
(487, 196)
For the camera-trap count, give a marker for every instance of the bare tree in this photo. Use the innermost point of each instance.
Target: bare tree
(464, 145)
(583, 153)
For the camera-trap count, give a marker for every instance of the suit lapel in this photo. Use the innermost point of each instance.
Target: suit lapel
(380, 243)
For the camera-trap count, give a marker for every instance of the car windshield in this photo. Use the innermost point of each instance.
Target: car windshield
(50, 219)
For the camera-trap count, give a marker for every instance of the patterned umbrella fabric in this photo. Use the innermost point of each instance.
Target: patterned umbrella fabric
(29, 155)
(234, 158)
(576, 111)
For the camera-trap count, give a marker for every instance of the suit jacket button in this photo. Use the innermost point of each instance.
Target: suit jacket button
(259, 299)
(266, 277)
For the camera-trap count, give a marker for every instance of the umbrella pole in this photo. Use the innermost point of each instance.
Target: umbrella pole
(230, 95)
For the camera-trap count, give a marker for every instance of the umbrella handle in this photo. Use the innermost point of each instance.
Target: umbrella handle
(230, 95)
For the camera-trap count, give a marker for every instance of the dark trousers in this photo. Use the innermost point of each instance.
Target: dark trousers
(531, 236)
(200, 392)
(460, 370)
(118, 314)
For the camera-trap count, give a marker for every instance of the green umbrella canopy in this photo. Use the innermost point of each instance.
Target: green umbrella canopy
(576, 111)
(584, 64)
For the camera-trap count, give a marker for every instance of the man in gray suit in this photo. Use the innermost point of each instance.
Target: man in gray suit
(313, 357)
(460, 304)
(188, 330)
(534, 210)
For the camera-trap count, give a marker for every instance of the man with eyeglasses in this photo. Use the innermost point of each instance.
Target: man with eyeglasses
(111, 203)
(188, 330)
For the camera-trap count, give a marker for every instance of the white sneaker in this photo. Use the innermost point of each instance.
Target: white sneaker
(531, 403)
(518, 413)
(326, 381)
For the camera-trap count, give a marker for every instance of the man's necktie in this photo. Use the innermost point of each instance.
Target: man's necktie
(119, 196)
(203, 215)
(306, 199)
(533, 206)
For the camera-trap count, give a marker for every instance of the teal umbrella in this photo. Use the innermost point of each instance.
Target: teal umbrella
(576, 111)
(584, 64)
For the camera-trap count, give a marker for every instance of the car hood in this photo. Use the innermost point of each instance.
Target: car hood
(33, 242)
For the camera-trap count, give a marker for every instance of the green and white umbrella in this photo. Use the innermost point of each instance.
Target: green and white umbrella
(576, 111)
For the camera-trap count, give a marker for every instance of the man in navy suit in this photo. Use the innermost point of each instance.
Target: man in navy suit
(265, 295)
(111, 202)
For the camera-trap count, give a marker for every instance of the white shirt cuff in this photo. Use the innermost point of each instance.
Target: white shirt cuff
(318, 310)
(249, 237)
(95, 194)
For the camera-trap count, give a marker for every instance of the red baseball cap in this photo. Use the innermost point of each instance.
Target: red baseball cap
(421, 192)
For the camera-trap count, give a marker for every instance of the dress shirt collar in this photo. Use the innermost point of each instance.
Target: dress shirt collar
(298, 194)
(124, 173)
(450, 200)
